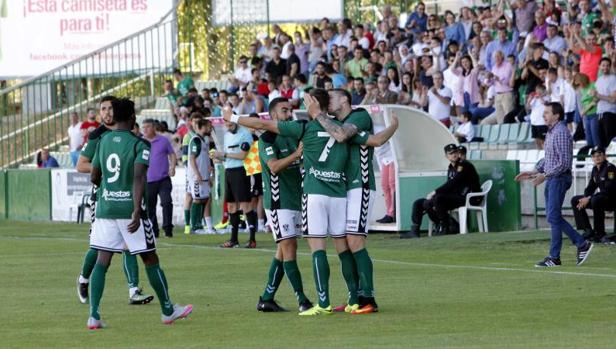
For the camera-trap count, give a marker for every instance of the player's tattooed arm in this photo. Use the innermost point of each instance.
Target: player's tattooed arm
(341, 133)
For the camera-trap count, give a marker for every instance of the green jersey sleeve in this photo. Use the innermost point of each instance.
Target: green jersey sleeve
(143, 154)
(267, 151)
(293, 129)
(95, 161)
(194, 147)
(360, 138)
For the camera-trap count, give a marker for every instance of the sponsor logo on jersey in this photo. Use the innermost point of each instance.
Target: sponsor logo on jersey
(327, 176)
(269, 151)
(117, 195)
(117, 139)
(146, 155)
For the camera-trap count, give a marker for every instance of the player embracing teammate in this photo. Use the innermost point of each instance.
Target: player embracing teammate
(330, 178)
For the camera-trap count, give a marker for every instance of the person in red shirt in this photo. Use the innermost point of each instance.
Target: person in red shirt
(89, 125)
(590, 53)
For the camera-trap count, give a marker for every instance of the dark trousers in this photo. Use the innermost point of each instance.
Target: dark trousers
(555, 189)
(599, 203)
(437, 208)
(607, 127)
(163, 189)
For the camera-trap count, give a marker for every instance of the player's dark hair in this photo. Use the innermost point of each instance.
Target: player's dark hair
(557, 108)
(343, 93)
(321, 96)
(123, 109)
(277, 101)
(201, 123)
(177, 71)
(108, 98)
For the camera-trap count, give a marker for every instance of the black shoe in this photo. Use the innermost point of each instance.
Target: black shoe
(305, 305)
(548, 262)
(588, 234)
(583, 252)
(269, 306)
(609, 240)
(409, 235)
(598, 237)
(443, 230)
(386, 220)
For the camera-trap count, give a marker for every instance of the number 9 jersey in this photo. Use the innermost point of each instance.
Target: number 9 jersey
(117, 153)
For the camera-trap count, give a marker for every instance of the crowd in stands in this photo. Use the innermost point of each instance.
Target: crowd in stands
(495, 64)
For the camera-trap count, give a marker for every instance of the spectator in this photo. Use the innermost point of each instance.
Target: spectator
(418, 20)
(89, 125)
(170, 92)
(535, 68)
(160, 171)
(536, 104)
(605, 93)
(588, 108)
(504, 80)
(302, 50)
(541, 26)
(454, 31)
(251, 102)
(506, 47)
(385, 159)
(524, 11)
(356, 67)
(184, 83)
(554, 42)
(383, 94)
(242, 75)
(589, 51)
(485, 107)
(438, 99)
(293, 62)
(568, 97)
(465, 132)
(44, 160)
(358, 92)
(75, 138)
(277, 67)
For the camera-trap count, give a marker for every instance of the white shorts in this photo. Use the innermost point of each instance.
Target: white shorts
(285, 224)
(199, 190)
(358, 210)
(112, 235)
(323, 216)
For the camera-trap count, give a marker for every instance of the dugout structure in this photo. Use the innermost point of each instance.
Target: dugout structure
(421, 166)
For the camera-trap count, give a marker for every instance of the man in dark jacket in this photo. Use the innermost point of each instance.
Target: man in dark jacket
(462, 178)
(603, 177)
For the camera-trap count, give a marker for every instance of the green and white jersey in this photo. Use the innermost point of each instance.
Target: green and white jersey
(282, 190)
(93, 138)
(359, 170)
(185, 141)
(199, 147)
(324, 158)
(116, 155)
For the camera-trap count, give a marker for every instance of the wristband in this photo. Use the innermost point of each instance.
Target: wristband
(235, 118)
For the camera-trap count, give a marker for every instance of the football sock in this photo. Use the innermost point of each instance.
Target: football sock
(364, 268)
(208, 222)
(295, 279)
(276, 273)
(187, 217)
(251, 220)
(159, 284)
(261, 223)
(89, 261)
(196, 214)
(234, 220)
(131, 269)
(320, 269)
(349, 273)
(97, 285)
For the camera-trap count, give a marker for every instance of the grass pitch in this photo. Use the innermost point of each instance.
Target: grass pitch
(474, 291)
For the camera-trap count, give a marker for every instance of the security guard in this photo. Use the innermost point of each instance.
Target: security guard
(603, 177)
(462, 178)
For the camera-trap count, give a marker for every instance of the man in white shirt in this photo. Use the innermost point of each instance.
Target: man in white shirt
(438, 99)
(554, 85)
(605, 92)
(554, 42)
(75, 138)
(243, 73)
(465, 132)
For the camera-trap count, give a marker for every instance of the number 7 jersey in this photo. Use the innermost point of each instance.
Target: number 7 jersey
(324, 158)
(116, 155)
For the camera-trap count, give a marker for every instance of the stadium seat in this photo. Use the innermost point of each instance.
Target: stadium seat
(494, 136)
(474, 155)
(514, 130)
(482, 210)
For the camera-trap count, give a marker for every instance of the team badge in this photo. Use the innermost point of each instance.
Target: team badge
(459, 169)
(610, 175)
(146, 155)
(269, 151)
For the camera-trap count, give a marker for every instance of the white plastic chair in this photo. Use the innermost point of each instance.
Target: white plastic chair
(482, 210)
